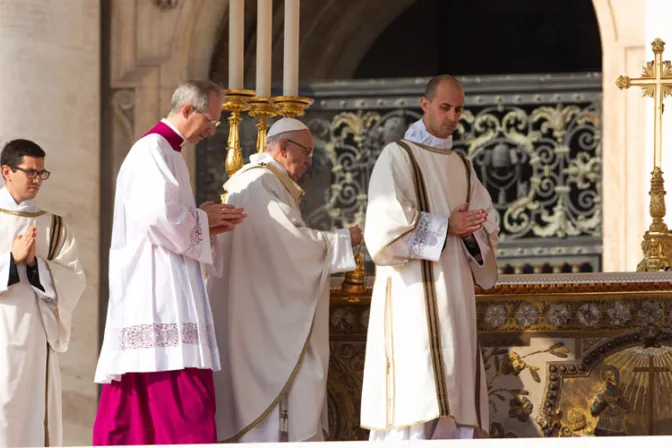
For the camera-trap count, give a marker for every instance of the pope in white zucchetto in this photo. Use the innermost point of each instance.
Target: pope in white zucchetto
(270, 299)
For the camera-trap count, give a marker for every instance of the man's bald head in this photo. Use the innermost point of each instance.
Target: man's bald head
(442, 104)
(433, 85)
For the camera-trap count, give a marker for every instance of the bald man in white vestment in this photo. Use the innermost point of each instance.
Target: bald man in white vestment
(432, 233)
(271, 305)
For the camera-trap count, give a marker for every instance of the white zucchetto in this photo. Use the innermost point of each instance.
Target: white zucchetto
(286, 125)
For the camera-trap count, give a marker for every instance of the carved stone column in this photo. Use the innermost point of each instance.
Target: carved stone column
(50, 82)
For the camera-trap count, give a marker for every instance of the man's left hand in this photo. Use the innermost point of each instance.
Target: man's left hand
(221, 215)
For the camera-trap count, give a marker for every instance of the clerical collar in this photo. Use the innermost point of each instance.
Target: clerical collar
(7, 202)
(168, 131)
(418, 133)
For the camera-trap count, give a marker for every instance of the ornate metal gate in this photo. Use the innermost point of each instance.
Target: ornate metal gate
(534, 141)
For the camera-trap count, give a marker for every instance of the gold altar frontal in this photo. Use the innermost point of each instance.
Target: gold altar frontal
(565, 354)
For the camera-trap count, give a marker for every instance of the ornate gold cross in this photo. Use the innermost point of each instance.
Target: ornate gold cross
(656, 82)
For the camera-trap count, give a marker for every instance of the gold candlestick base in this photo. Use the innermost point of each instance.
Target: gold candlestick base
(262, 109)
(355, 281)
(292, 106)
(657, 243)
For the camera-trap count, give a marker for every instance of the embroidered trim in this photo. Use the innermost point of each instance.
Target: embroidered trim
(421, 235)
(165, 335)
(23, 214)
(196, 235)
(56, 236)
(431, 148)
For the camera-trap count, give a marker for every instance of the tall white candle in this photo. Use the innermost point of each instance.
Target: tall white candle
(290, 81)
(236, 43)
(264, 35)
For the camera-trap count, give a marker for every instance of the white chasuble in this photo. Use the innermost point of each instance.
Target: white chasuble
(422, 358)
(270, 299)
(36, 308)
(158, 315)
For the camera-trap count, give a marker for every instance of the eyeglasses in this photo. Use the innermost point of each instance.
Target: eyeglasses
(210, 120)
(308, 151)
(32, 174)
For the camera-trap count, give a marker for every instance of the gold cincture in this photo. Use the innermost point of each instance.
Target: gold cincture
(656, 82)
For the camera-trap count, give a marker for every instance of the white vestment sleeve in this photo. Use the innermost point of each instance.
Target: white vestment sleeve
(154, 203)
(342, 258)
(217, 266)
(5, 263)
(64, 281)
(396, 231)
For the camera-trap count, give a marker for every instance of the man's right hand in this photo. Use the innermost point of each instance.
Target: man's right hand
(22, 246)
(464, 222)
(222, 217)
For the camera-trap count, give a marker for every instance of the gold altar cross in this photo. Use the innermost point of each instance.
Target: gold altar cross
(656, 83)
(651, 370)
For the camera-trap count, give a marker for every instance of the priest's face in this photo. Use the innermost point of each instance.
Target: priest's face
(296, 153)
(203, 123)
(24, 180)
(443, 112)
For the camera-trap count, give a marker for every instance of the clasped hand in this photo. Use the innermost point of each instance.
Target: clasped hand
(222, 217)
(463, 222)
(23, 248)
(356, 236)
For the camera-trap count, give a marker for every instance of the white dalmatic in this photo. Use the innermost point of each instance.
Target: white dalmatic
(36, 308)
(270, 301)
(423, 374)
(158, 316)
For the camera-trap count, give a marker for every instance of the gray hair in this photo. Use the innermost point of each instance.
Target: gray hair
(194, 92)
(275, 140)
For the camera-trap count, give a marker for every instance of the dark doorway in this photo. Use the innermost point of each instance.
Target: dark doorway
(487, 37)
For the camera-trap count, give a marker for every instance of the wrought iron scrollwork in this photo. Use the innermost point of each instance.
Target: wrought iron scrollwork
(541, 164)
(535, 143)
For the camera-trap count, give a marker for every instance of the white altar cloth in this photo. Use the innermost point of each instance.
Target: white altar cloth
(555, 442)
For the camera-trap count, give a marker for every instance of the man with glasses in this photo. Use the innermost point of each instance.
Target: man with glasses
(271, 299)
(41, 281)
(159, 350)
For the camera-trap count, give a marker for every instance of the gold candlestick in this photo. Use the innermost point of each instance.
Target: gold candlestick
(235, 101)
(262, 109)
(291, 106)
